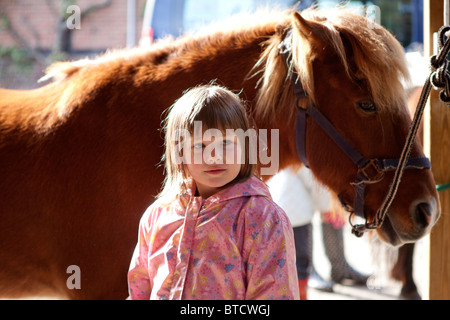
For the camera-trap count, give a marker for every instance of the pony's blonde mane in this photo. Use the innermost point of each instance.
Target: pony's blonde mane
(378, 56)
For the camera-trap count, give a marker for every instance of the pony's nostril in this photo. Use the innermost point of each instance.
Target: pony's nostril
(423, 214)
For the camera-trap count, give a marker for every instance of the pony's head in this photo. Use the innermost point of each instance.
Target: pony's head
(352, 71)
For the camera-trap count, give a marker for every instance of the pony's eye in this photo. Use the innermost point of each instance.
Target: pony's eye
(367, 106)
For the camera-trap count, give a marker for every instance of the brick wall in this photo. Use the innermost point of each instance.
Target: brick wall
(36, 22)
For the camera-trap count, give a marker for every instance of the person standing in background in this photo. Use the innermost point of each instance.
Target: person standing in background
(300, 196)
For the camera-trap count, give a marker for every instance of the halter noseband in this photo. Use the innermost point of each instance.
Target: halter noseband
(369, 170)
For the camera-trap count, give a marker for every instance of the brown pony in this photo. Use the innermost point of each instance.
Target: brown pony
(80, 157)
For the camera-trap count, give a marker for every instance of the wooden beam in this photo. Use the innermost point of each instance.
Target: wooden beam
(437, 146)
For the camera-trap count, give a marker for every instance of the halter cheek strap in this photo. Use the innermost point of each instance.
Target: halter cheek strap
(369, 171)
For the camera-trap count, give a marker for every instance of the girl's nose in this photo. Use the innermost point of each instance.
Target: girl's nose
(215, 157)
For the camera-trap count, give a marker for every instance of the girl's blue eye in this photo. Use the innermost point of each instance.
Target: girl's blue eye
(227, 142)
(198, 146)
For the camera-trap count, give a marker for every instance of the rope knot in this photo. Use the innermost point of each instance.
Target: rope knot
(434, 63)
(440, 76)
(440, 79)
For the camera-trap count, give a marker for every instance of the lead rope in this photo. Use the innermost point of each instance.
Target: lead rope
(440, 78)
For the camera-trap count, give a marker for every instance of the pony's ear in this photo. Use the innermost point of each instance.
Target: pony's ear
(308, 29)
(311, 31)
(302, 25)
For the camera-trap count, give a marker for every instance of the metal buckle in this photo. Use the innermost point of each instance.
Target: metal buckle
(371, 168)
(345, 205)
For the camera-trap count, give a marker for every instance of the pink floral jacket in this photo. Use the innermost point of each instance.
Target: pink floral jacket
(237, 244)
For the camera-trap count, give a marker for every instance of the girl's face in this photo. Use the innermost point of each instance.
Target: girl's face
(214, 160)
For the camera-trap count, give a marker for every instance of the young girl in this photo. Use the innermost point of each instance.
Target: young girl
(214, 231)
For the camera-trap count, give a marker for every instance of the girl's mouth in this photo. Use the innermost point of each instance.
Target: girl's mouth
(215, 171)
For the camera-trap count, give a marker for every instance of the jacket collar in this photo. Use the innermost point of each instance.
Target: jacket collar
(250, 187)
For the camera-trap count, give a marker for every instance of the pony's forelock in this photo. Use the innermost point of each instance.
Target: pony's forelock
(379, 58)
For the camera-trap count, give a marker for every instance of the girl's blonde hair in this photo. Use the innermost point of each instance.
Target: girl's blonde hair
(216, 107)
